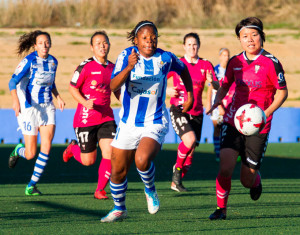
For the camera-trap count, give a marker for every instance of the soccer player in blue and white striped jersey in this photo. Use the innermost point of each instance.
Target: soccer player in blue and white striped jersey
(141, 75)
(32, 86)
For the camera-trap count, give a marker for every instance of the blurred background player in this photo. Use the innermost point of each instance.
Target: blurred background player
(94, 120)
(32, 86)
(188, 125)
(141, 74)
(258, 76)
(217, 114)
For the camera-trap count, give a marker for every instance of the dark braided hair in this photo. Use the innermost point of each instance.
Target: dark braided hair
(132, 34)
(28, 40)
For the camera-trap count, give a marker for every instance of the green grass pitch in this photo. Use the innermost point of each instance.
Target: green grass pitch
(68, 206)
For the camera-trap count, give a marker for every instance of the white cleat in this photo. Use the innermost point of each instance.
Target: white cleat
(152, 201)
(114, 215)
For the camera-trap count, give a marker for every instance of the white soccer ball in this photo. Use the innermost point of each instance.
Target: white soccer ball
(249, 119)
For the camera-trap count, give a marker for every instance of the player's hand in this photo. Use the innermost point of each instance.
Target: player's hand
(89, 104)
(187, 105)
(132, 59)
(16, 107)
(61, 104)
(172, 91)
(209, 76)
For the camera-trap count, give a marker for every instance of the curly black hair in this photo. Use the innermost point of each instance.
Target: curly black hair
(132, 34)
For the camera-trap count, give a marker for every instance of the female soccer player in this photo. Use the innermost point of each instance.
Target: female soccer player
(31, 86)
(258, 75)
(141, 74)
(94, 120)
(217, 114)
(188, 125)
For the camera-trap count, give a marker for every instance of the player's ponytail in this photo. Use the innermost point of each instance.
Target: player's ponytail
(28, 40)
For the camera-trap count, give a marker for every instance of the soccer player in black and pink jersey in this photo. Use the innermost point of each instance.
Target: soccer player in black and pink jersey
(94, 120)
(258, 76)
(188, 126)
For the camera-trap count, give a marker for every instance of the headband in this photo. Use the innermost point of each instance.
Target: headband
(223, 49)
(146, 23)
(250, 26)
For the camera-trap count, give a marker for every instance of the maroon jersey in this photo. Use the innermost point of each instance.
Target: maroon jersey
(256, 82)
(198, 74)
(92, 79)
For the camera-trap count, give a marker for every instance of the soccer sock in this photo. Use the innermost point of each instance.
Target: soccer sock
(104, 172)
(223, 186)
(257, 180)
(181, 155)
(39, 167)
(216, 140)
(21, 152)
(118, 193)
(76, 152)
(187, 165)
(148, 178)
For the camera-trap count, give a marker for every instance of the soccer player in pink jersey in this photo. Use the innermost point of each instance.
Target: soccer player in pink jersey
(94, 120)
(188, 125)
(258, 76)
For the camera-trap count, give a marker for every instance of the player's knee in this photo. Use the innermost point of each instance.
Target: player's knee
(88, 162)
(30, 154)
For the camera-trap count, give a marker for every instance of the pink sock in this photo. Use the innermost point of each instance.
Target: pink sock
(187, 165)
(257, 180)
(181, 155)
(104, 172)
(76, 152)
(223, 186)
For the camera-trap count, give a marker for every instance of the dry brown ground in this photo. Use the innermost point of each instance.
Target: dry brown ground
(71, 47)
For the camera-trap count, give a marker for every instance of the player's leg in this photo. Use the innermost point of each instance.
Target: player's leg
(146, 152)
(216, 139)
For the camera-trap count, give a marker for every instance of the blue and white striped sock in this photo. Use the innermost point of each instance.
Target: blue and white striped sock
(39, 167)
(21, 152)
(217, 145)
(118, 192)
(148, 178)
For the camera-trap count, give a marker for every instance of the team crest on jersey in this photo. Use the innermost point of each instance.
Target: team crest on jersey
(257, 67)
(202, 71)
(161, 64)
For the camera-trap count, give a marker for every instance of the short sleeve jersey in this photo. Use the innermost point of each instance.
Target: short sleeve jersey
(144, 91)
(34, 79)
(198, 73)
(256, 82)
(92, 79)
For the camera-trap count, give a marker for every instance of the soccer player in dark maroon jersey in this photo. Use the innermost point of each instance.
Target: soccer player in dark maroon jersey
(94, 120)
(188, 125)
(258, 76)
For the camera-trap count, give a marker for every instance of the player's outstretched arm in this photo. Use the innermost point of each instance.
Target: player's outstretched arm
(187, 81)
(218, 100)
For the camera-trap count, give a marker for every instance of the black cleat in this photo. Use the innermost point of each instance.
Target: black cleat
(256, 192)
(220, 213)
(177, 180)
(14, 157)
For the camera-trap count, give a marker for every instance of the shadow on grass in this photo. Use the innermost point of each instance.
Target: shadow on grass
(204, 168)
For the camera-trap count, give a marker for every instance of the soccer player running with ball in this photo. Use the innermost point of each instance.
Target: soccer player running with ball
(258, 76)
(141, 74)
(94, 120)
(31, 87)
(188, 125)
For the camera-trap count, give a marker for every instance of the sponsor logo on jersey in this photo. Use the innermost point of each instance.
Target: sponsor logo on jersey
(93, 84)
(142, 91)
(237, 69)
(96, 72)
(280, 77)
(257, 67)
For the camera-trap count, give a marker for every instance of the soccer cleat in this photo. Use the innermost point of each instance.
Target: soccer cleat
(152, 201)
(256, 192)
(14, 157)
(177, 180)
(239, 159)
(32, 191)
(100, 194)
(178, 187)
(114, 215)
(220, 213)
(68, 153)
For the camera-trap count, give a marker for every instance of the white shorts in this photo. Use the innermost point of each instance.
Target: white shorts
(30, 119)
(128, 137)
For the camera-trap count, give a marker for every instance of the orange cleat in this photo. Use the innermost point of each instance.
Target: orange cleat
(100, 194)
(68, 153)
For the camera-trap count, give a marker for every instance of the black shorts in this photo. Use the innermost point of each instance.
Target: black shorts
(251, 148)
(184, 122)
(88, 137)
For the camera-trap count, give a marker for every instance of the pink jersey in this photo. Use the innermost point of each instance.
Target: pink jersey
(92, 79)
(256, 82)
(198, 74)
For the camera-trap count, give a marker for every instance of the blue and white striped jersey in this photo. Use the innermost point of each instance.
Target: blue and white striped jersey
(144, 92)
(219, 71)
(34, 79)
